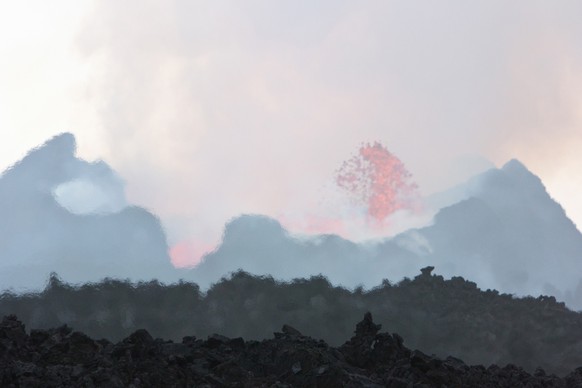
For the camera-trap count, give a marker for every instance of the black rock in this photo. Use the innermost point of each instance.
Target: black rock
(64, 358)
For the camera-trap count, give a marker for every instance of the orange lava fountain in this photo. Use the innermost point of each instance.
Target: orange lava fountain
(378, 180)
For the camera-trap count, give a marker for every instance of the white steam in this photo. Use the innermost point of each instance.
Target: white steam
(85, 196)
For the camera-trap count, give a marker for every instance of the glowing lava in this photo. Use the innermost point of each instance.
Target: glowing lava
(375, 179)
(378, 180)
(186, 254)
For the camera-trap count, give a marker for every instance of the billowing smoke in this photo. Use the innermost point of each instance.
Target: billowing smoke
(253, 114)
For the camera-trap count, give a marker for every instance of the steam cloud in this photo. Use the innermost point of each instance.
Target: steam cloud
(88, 195)
(226, 99)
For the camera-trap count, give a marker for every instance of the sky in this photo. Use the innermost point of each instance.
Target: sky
(208, 110)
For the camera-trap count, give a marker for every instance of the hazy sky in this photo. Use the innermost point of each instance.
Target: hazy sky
(216, 108)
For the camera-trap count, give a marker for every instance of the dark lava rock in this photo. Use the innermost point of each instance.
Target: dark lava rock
(426, 271)
(64, 358)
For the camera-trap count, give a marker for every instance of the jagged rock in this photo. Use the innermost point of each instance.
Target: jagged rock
(369, 359)
(367, 327)
(426, 271)
(437, 316)
(12, 332)
(291, 330)
(216, 340)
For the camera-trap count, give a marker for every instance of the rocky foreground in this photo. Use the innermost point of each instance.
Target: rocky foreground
(62, 357)
(435, 315)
